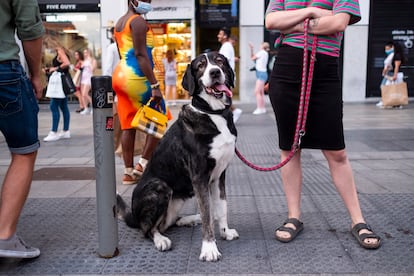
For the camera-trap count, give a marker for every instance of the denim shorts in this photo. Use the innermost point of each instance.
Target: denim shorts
(18, 109)
(261, 75)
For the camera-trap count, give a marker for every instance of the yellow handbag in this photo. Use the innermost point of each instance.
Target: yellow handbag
(150, 120)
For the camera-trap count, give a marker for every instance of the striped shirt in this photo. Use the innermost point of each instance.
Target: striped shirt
(327, 44)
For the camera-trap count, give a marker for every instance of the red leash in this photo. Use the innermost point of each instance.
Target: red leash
(303, 104)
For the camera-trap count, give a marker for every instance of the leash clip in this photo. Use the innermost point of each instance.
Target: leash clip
(301, 134)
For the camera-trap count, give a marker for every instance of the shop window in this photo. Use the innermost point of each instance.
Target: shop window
(175, 36)
(73, 31)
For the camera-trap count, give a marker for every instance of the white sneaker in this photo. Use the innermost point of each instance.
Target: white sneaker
(86, 111)
(64, 134)
(15, 247)
(259, 111)
(379, 104)
(236, 114)
(52, 136)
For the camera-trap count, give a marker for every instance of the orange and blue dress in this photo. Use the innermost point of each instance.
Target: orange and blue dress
(128, 81)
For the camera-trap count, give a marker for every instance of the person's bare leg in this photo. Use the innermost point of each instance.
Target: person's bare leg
(85, 94)
(343, 179)
(128, 143)
(15, 190)
(259, 92)
(150, 143)
(168, 92)
(174, 93)
(292, 185)
(78, 95)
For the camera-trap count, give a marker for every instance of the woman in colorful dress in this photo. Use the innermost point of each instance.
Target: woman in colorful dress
(324, 127)
(134, 83)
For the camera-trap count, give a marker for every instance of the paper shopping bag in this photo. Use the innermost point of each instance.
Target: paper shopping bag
(394, 94)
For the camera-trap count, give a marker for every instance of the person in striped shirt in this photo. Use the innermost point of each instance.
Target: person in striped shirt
(324, 126)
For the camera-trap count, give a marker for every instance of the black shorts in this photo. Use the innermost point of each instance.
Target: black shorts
(324, 127)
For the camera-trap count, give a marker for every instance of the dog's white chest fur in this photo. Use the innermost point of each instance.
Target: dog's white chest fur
(222, 148)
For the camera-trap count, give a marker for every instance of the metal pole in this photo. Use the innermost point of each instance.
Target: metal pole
(102, 99)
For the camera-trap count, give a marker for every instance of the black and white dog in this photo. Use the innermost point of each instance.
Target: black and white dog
(190, 160)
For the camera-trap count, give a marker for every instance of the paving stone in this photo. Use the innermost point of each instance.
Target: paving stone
(62, 219)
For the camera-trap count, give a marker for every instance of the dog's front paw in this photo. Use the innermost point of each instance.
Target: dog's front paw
(229, 234)
(209, 252)
(162, 243)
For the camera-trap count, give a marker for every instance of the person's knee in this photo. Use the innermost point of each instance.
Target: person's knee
(22, 160)
(337, 156)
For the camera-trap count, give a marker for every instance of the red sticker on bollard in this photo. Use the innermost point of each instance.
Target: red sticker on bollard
(109, 123)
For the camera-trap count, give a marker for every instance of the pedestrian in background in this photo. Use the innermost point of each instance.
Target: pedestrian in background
(392, 64)
(227, 50)
(260, 59)
(60, 64)
(112, 55)
(77, 77)
(234, 40)
(134, 83)
(19, 122)
(327, 23)
(88, 67)
(170, 77)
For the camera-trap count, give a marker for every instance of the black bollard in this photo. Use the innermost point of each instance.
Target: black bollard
(102, 100)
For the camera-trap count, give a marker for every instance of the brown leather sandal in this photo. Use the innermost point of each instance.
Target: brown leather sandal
(361, 237)
(138, 170)
(293, 232)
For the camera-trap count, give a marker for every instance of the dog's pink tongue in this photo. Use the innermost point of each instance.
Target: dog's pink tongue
(223, 88)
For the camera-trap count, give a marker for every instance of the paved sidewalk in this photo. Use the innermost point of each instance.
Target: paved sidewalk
(60, 214)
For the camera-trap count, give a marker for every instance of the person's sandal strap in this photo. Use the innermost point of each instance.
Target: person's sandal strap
(368, 236)
(358, 227)
(293, 232)
(283, 228)
(129, 178)
(138, 170)
(298, 224)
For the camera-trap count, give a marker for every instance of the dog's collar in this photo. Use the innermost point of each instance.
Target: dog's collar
(200, 104)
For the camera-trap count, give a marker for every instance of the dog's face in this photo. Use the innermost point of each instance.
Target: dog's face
(209, 75)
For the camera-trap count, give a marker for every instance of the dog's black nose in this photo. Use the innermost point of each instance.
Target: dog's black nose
(214, 73)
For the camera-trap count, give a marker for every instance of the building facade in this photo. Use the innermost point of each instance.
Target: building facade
(190, 27)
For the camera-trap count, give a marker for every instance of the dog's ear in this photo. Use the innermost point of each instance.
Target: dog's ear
(188, 81)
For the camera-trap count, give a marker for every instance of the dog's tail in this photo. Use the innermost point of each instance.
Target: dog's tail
(124, 212)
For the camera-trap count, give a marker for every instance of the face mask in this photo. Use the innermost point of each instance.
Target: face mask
(390, 51)
(142, 7)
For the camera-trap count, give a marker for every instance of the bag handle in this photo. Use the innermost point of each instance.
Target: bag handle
(157, 106)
